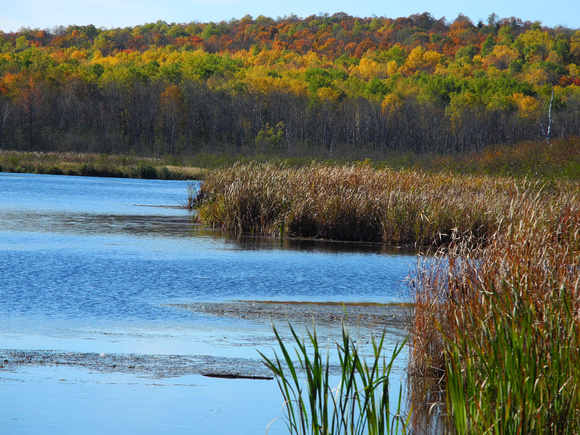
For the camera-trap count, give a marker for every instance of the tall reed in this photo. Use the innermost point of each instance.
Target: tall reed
(359, 404)
(359, 203)
(500, 322)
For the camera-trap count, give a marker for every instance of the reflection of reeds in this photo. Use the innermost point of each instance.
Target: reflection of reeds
(426, 400)
(501, 321)
(191, 196)
(357, 203)
(360, 404)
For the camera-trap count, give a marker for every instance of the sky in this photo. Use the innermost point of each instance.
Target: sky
(47, 14)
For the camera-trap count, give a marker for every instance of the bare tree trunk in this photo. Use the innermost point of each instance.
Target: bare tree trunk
(2, 128)
(548, 132)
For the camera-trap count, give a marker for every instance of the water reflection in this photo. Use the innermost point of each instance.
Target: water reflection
(426, 398)
(95, 223)
(174, 226)
(249, 243)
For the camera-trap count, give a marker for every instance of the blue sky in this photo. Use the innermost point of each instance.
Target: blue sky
(46, 14)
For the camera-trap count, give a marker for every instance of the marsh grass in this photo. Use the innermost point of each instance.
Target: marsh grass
(359, 203)
(359, 404)
(97, 165)
(499, 322)
(533, 159)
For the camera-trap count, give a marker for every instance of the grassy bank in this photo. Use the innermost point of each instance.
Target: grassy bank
(360, 203)
(96, 165)
(537, 160)
(559, 159)
(534, 160)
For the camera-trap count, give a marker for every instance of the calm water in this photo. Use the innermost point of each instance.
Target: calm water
(91, 264)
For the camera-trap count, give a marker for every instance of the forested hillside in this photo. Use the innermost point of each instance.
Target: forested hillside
(327, 84)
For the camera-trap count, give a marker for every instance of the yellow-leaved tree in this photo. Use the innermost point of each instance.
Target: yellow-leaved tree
(421, 59)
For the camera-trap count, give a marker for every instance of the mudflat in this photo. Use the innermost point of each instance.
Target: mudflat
(395, 317)
(364, 319)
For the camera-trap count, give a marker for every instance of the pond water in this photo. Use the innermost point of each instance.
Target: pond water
(93, 265)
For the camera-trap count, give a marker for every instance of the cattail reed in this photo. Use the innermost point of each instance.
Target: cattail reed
(358, 402)
(359, 203)
(499, 321)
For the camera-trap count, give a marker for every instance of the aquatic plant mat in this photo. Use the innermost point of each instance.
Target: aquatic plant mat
(153, 366)
(395, 317)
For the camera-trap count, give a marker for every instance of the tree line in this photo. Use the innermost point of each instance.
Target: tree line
(325, 84)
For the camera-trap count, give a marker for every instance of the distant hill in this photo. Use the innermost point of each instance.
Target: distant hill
(323, 84)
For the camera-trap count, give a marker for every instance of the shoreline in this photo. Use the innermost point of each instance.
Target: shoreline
(96, 165)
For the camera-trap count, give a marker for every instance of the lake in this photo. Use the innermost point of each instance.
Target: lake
(100, 266)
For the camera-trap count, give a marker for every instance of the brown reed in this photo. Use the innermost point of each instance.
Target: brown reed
(359, 203)
(536, 247)
(500, 321)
